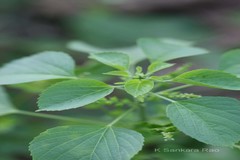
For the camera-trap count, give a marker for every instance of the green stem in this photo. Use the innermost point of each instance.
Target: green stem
(165, 98)
(56, 117)
(162, 81)
(121, 116)
(176, 88)
(118, 87)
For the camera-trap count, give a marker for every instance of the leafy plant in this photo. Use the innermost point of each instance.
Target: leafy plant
(212, 120)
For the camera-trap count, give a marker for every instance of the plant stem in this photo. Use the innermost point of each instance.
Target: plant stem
(163, 81)
(165, 98)
(118, 87)
(56, 117)
(121, 116)
(176, 88)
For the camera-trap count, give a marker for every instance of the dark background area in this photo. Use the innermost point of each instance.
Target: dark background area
(31, 26)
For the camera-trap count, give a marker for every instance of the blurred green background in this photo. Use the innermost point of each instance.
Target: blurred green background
(31, 26)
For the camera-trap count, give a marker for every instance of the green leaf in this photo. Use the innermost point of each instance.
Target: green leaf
(230, 62)
(114, 59)
(42, 66)
(6, 106)
(165, 49)
(72, 94)
(210, 78)
(86, 142)
(118, 73)
(135, 54)
(93, 70)
(138, 87)
(84, 47)
(157, 66)
(212, 120)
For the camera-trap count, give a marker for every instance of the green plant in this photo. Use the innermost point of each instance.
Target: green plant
(209, 119)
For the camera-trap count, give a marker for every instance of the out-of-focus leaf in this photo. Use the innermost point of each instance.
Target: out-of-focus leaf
(165, 49)
(35, 87)
(230, 62)
(108, 29)
(135, 54)
(114, 59)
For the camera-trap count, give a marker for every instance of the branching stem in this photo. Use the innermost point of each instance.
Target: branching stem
(175, 88)
(56, 117)
(163, 97)
(121, 116)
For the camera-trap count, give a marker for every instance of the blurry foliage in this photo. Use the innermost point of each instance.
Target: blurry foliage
(108, 29)
(11, 5)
